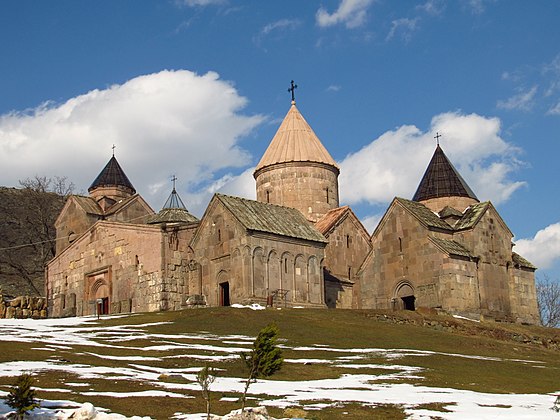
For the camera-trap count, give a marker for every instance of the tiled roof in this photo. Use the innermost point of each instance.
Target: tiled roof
(173, 216)
(295, 141)
(452, 247)
(89, 205)
(423, 213)
(441, 179)
(325, 223)
(449, 211)
(120, 204)
(520, 261)
(173, 211)
(270, 218)
(112, 175)
(471, 216)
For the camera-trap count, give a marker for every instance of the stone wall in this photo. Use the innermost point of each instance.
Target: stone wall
(347, 248)
(459, 203)
(23, 307)
(119, 262)
(251, 267)
(403, 257)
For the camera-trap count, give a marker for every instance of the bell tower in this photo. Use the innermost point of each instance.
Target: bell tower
(296, 170)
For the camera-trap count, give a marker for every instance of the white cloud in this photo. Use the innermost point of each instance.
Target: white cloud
(476, 7)
(523, 101)
(242, 185)
(371, 222)
(171, 122)
(404, 26)
(352, 13)
(281, 25)
(432, 7)
(543, 249)
(554, 110)
(196, 3)
(333, 88)
(393, 164)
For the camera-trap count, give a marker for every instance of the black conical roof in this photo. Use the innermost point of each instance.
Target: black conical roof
(112, 175)
(441, 179)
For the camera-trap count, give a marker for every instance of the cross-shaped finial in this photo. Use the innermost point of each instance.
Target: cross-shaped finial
(114, 147)
(437, 136)
(292, 89)
(173, 178)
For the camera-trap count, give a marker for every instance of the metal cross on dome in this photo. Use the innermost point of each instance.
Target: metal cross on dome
(437, 136)
(114, 147)
(292, 89)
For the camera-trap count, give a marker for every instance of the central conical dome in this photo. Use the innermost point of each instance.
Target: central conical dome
(295, 141)
(442, 185)
(297, 171)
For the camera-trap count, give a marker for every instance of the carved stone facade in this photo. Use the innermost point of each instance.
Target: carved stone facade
(294, 246)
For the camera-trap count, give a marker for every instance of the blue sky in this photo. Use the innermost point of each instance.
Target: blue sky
(197, 88)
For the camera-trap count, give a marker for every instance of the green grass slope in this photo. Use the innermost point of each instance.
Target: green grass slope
(493, 358)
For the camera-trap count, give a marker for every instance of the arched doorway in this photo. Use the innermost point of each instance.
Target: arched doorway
(224, 294)
(101, 292)
(405, 298)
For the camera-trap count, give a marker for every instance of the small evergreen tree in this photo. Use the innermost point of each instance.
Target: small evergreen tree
(22, 397)
(264, 360)
(205, 378)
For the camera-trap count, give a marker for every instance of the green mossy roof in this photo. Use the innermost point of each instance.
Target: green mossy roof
(270, 218)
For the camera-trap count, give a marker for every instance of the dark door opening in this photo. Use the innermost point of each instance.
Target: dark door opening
(408, 302)
(224, 294)
(103, 306)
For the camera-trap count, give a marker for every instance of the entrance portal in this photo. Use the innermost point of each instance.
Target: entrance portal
(406, 294)
(224, 294)
(408, 302)
(102, 306)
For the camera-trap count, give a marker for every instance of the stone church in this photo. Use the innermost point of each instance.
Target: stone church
(293, 246)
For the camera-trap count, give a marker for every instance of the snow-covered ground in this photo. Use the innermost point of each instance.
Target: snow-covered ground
(356, 385)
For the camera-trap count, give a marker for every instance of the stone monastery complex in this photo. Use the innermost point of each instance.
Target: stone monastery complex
(293, 246)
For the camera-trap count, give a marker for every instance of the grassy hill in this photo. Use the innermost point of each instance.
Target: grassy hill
(341, 361)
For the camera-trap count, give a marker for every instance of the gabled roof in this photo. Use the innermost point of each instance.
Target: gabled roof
(295, 141)
(112, 175)
(449, 211)
(325, 223)
(441, 179)
(423, 214)
(471, 216)
(270, 218)
(522, 262)
(89, 204)
(452, 247)
(333, 217)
